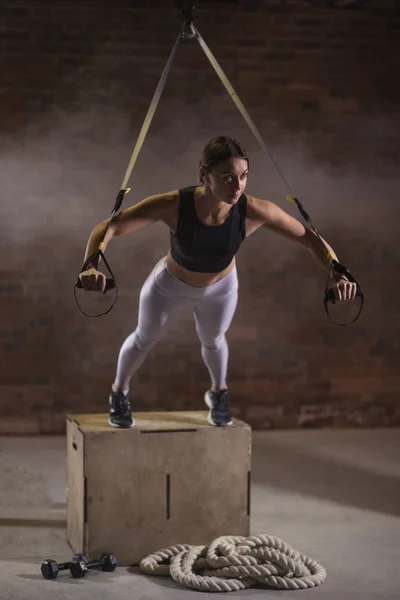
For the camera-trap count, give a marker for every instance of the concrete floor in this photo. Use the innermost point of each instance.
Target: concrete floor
(333, 495)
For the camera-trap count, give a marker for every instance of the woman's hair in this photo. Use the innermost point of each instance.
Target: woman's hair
(217, 150)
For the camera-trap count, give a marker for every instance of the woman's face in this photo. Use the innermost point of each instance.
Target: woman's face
(227, 180)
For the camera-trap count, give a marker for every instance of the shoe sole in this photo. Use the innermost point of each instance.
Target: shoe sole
(121, 426)
(209, 417)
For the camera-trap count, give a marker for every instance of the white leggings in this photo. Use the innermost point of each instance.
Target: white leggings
(161, 298)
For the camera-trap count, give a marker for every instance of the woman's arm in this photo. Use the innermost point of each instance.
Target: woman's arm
(275, 219)
(284, 224)
(272, 217)
(144, 213)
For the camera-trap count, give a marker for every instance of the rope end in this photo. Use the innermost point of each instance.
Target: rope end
(290, 198)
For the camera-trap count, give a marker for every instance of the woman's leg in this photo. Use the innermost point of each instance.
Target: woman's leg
(159, 302)
(157, 305)
(213, 316)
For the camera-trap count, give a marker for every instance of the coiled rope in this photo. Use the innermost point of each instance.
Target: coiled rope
(232, 563)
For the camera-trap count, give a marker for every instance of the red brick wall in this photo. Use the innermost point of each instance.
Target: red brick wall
(321, 84)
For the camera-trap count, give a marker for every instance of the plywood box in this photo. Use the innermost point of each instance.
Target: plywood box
(173, 479)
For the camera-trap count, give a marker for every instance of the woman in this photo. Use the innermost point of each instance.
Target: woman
(207, 225)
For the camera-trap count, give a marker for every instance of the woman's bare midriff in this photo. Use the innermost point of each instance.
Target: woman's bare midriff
(193, 278)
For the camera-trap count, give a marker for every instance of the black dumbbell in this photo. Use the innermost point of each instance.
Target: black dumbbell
(50, 568)
(79, 567)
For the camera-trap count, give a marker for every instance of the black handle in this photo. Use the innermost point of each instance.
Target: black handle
(110, 283)
(330, 294)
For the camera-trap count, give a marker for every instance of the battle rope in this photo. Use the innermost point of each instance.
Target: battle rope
(232, 563)
(189, 31)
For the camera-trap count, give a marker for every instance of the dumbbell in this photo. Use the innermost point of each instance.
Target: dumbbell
(50, 568)
(107, 562)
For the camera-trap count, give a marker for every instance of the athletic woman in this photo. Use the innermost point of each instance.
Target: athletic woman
(207, 224)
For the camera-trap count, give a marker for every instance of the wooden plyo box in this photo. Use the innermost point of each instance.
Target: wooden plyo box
(173, 479)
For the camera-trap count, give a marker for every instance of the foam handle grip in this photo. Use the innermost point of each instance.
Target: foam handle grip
(110, 283)
(330, 295)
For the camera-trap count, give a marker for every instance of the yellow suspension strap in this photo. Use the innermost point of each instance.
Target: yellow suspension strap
(336, 267)
(111, 282)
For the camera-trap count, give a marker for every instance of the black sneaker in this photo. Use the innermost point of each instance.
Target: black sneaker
(218, 403)
(120, 410)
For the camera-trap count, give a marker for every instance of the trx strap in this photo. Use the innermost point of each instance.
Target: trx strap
(336, 267)
(189, 31)
(111, 282)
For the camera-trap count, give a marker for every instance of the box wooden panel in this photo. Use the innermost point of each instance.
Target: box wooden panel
(172, 479)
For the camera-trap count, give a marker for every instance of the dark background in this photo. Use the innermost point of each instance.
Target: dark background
(321, 83)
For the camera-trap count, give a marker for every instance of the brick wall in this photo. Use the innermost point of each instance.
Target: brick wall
(322, 86)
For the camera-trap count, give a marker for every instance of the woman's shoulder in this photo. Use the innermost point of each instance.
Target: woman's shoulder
(256, 207)
(168, 200)
(172, 196)
(155, 206)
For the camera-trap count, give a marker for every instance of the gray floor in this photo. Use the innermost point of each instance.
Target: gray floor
(334, 495)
